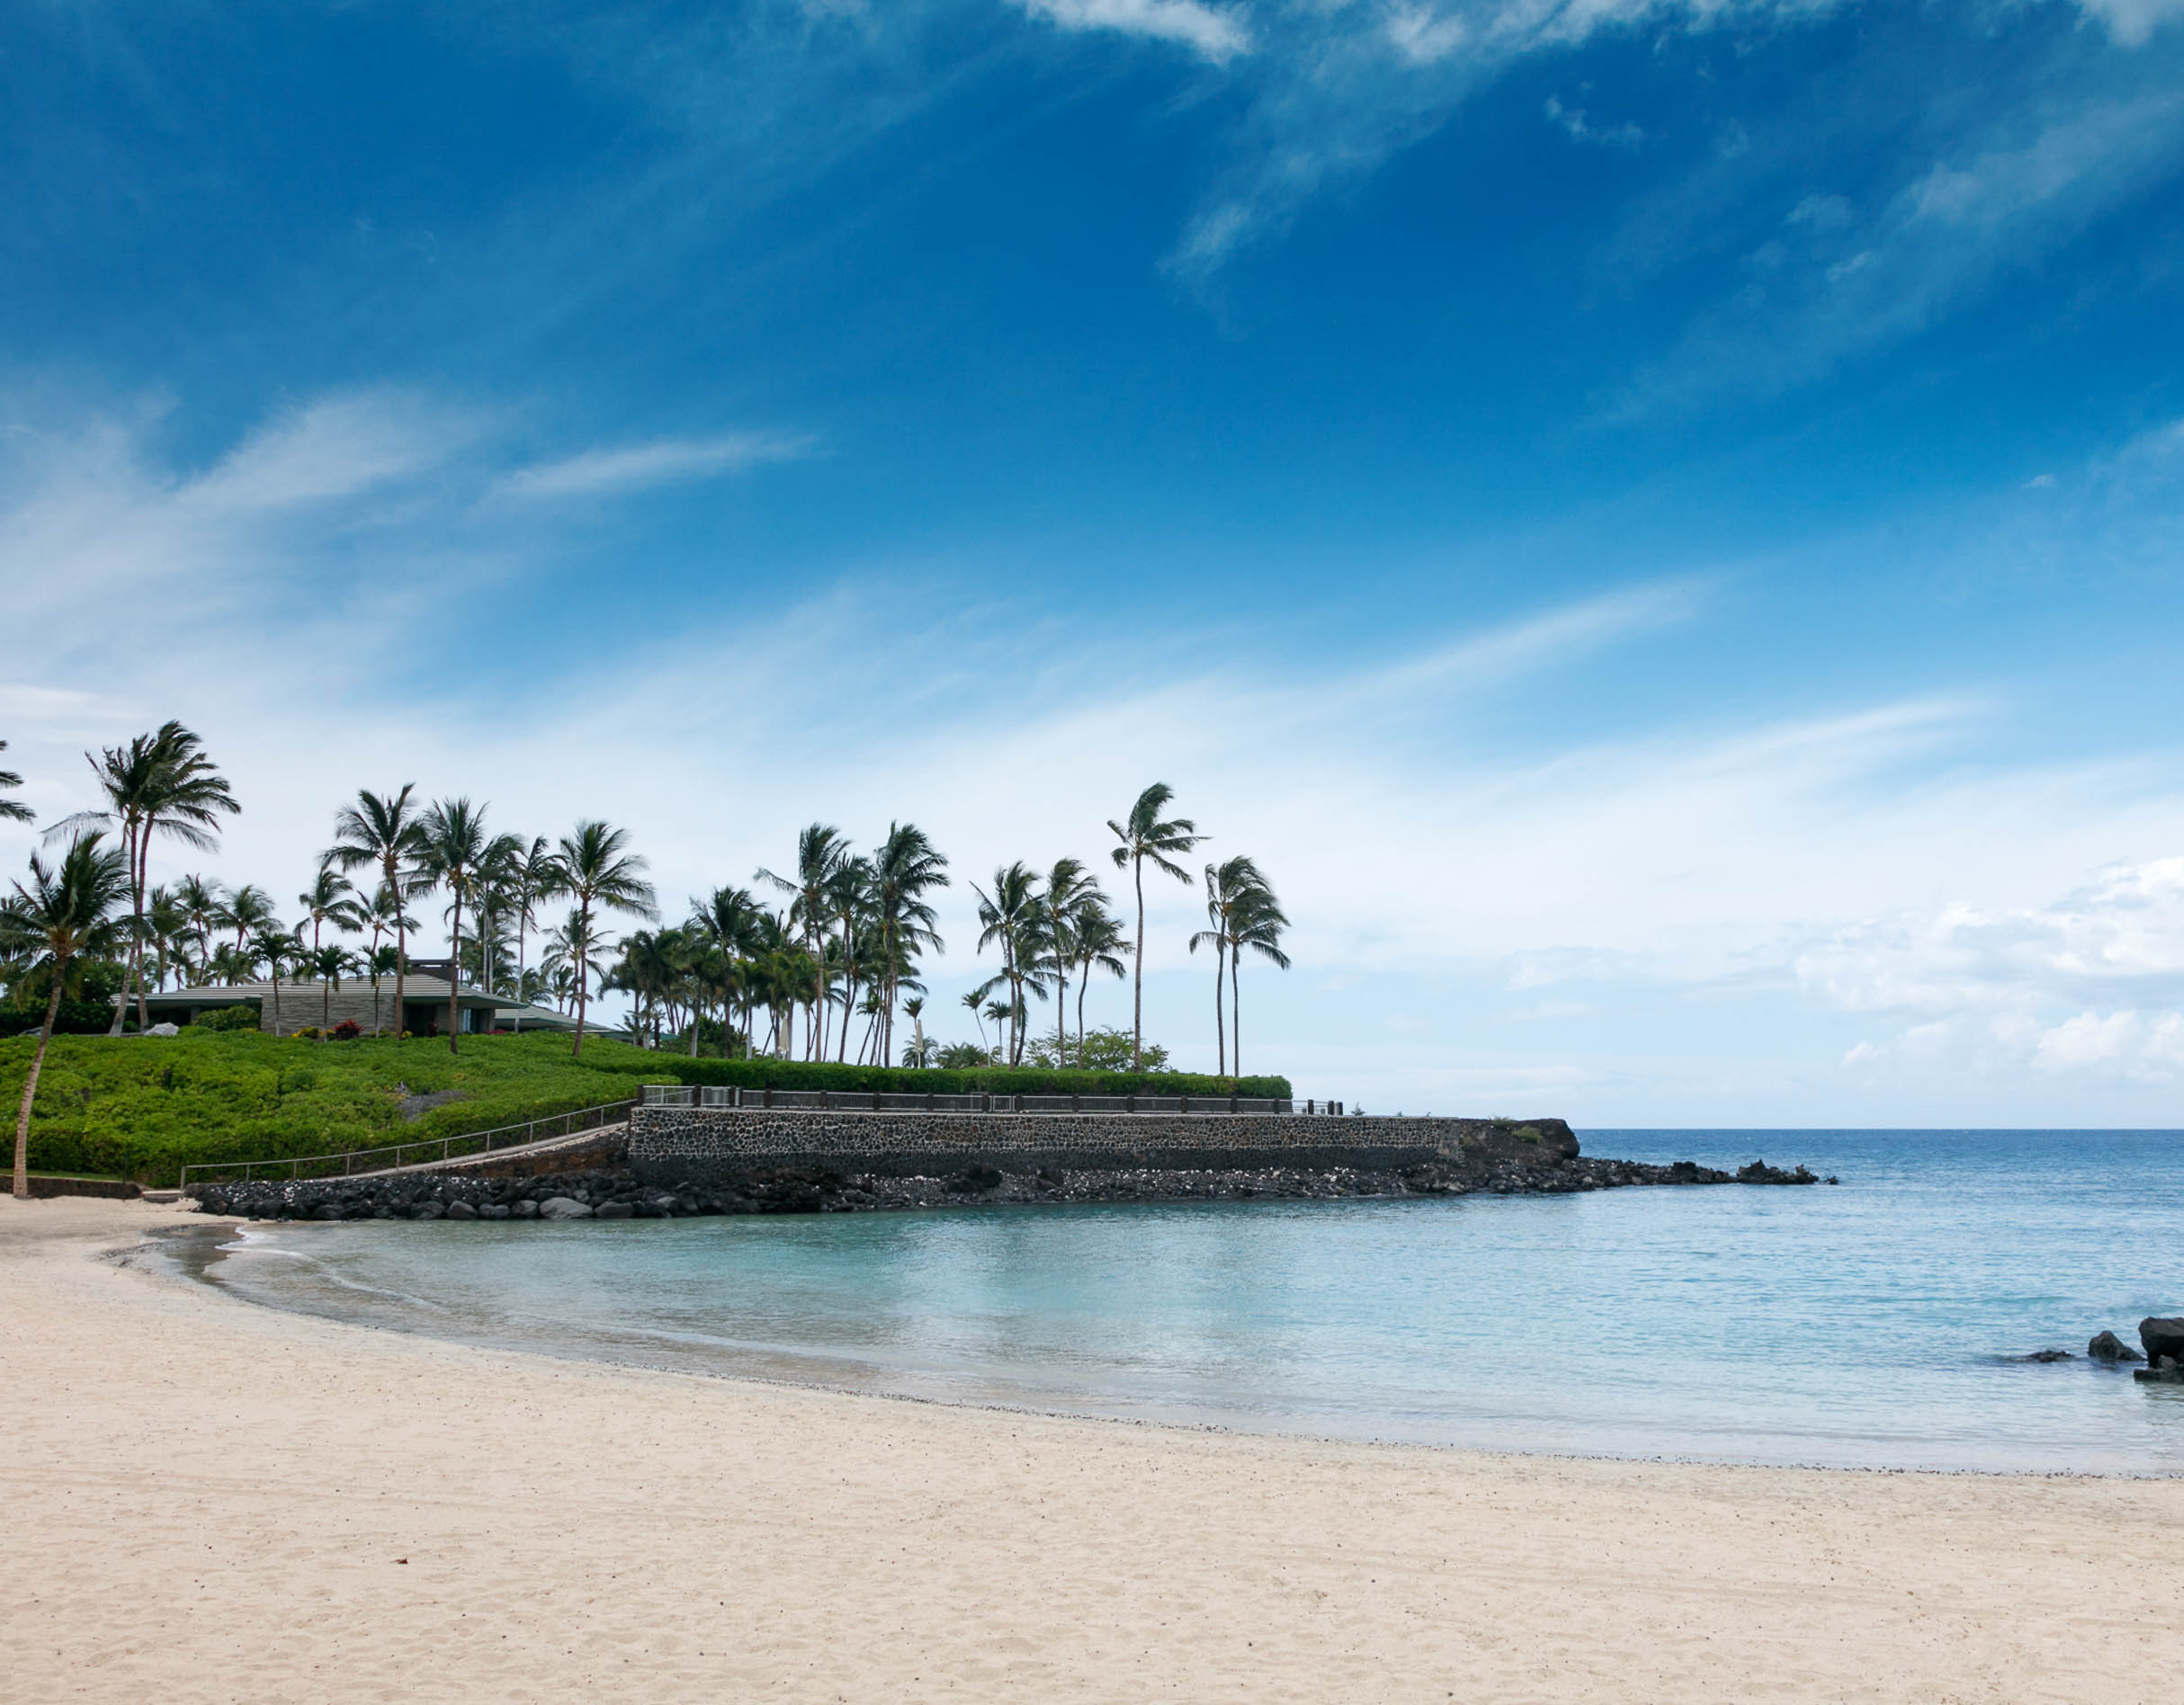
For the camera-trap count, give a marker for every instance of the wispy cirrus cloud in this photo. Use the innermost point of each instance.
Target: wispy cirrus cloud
(1218, 33)
(661, 461)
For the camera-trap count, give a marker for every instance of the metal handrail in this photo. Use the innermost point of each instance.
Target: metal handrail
(861, 1101)
(497, 1137)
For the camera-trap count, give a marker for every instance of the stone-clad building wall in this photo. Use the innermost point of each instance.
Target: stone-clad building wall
(668, 1144)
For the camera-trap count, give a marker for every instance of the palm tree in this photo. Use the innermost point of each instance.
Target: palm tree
(919, 1051)
(1100, 947)
(1230, 888)
(200, 901)
(166, 927)
(274, 948)
(1258, 926)
(904, 870)
(594, 870)
(975, 1000)
(849, 904)
(1070, 888)
(1143, 836)
(727, 922)
(249, 911)
(65, 914)
(1014, 916)
(380, 963)
(384, 916)
(531, 878)
(453, 849)
(158, 783)
(384, 830)
(820, 851)
(329, 899)
(328, 962)
(13, 811)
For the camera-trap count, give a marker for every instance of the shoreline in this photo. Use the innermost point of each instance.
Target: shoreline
(198, 1226)
(224, 1501)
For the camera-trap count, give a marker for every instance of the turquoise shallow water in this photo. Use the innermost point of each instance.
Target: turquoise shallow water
(1865, 1326)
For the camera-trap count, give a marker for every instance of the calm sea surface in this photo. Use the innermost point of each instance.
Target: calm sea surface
(1871, 1325)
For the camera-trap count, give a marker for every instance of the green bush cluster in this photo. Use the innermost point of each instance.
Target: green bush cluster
(663, 1067)
(144, 1107)
(75, 1018)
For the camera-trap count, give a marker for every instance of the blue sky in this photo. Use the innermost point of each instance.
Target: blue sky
(1657, 523)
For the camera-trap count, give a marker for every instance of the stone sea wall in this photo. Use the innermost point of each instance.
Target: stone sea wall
(671, 1144)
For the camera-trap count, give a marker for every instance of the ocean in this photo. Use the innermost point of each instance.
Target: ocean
(1876, 1323)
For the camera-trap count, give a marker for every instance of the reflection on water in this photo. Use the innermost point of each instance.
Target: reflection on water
(1865, 1326)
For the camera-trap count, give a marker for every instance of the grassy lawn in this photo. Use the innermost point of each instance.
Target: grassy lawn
(143, 1107)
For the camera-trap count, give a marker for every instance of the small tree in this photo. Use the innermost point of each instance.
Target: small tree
(63, 915)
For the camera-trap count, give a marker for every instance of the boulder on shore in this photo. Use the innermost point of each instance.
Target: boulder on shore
(2163, 1335)
(2105, 1347)
(564, 1207)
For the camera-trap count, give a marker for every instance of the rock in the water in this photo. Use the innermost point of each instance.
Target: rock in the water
(461, 1210)
(2045, 1355)
(492, 1211)
(525, 1210)
(2163, 1335)
(2105, 1347)
(564, 1207)
(615, 1210)
(429, 1210)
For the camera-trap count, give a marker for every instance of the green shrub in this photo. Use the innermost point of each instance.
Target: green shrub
(227, 1018)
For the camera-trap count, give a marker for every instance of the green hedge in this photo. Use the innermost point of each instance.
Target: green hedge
(665, 1067)
(143, 1107)
(75, 1018)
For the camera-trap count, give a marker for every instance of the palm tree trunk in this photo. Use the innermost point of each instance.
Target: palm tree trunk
(401, 953)
(1061, 1022)
(1221, 1036)
(1137, 1003)
(1236, 1013)
(30, 1085)
(521, 973)
(128, 974)
(584, 936)
(144, 860)
(455, 972)
(1081, 983)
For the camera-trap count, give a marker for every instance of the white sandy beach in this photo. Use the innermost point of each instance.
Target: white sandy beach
(210, 1501)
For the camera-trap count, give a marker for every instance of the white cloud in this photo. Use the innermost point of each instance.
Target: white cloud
(1442, 850)
(1219, 33)
(660, 463)
(2133, 23)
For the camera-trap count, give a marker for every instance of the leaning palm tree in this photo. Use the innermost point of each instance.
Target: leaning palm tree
(1101, 946)
(595, 870)
(384, 829)
(453, 849)
(1143, 836)
(13, 811)
(64, 914)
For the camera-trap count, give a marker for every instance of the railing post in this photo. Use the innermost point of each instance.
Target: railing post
(1232, 1104)
(875, 1100)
